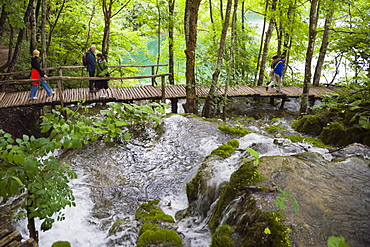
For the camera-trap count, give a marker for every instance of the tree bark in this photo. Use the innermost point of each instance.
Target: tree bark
(32, 229)
(52, 26)
(261, 44)
(216, 73)
(323, 48)
(314, 10)
(232, 56)
(18, 46)
(158, 34)
(190, 25)
(43, 35)
(33, 42)
(107, 11)
(3, 17)
(269, 31)
(171, 12)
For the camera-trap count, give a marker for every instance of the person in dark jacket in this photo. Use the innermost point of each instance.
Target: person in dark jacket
(38, 73)
(102, 71)
(278, 74)
(91, 65)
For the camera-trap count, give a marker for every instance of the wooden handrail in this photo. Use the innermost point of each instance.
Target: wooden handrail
(68, 78)
(81, 67)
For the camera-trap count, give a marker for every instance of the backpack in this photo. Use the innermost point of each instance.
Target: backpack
(84, 60)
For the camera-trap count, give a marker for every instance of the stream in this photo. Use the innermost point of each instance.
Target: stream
(115, 178)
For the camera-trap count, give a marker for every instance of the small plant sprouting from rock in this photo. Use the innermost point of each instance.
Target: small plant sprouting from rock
(280, 200)
(337, 242)
(255, 155)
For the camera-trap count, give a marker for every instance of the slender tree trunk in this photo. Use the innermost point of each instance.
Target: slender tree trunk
(323, 48)
(171, 12)
(158, 35)
(18, 46)
(33, 43)
(216, 73)
(261, 43)
(43, 35)
(232, 55)
(268, 36)
(211, 11)
(190, 25)
(314, 12)
(222, 9)
(31, 228)
(3, 17)
(52, 26)
(10, 50)
(89, 29)
(243, 13)
(107, 11)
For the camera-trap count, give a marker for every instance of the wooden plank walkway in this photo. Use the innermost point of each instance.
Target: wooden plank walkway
(9, 237)
(8, 100)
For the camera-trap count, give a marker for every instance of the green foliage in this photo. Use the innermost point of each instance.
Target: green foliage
(147, 226)
(61, 244)
(255, 155)
(163, 237)
(225, 150)
(273, 128)
(244, 176)
(337, 242)
(237, 131)
(222, 238)
(280, 200)
(310, 140)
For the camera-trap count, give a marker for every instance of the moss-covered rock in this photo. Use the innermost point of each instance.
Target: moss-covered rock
(273, 128)
(237, 131)
(314, 141)
(225, 150)
(147, 226)
(367, 138)
(333, 133)
(150, 213)
(192, 188)
(61, 244)
(244, 176)
(222, 237)
(309, 124)
(163, 237)
(354, 134)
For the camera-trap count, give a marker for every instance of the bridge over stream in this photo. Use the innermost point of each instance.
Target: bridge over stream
(129, 94)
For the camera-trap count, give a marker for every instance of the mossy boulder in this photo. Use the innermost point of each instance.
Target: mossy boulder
(310, 140)
(273, 128)
(222, 237)
(150, 213)
(163, 237)
(367, 138)
(225, 150)
(192, 188)
(354, 134)
(154, 229)
(244, 176)
(237, 131)
(309, 124)
(334, 133)
(61, 244)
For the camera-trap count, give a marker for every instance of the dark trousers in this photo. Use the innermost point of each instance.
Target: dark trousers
(91, 82)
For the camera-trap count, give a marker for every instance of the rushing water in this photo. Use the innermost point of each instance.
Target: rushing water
(115, 178)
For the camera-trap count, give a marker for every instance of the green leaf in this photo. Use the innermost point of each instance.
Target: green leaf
(364, 122)
(121, 123)
(337, 242)
(267, 230)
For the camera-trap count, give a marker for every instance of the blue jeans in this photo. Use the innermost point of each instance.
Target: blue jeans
(34, 89)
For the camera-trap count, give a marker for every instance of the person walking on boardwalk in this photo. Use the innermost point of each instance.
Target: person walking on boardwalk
(91, 65)
(275, 59)
(38, 73)
(278, 74)
(102, 71)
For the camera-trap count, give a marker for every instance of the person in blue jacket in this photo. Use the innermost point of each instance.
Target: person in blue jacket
(278, 74)
(91, 65)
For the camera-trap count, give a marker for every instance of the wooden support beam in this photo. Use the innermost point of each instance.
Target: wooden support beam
(14, 236)
(163, 84)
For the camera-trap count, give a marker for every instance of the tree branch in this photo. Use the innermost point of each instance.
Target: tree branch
(121, 8)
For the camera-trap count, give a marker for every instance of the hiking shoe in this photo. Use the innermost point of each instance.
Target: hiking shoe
(51, 94)
(279, 91)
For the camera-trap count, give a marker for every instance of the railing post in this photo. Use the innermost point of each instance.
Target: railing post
(60, 87)
(163, 89)
(153, 78)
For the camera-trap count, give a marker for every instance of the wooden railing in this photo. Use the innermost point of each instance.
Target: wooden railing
(60, 78)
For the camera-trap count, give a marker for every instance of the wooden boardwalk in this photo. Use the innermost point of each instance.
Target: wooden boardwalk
(10, 237)
(127, 94)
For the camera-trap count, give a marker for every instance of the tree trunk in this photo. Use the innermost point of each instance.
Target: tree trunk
(314, 10)
(43, 35)
(190, 25)
(171, 12)
(323, 48)
(10, 50)
(261, 44)
(232, 56)
(216, 73)
(3, 17)
(269, 31)
(33, 42)
(32, 229)
(18, 46)
(52, 26)
(158, 35)
(89, 29)
(107, 11)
